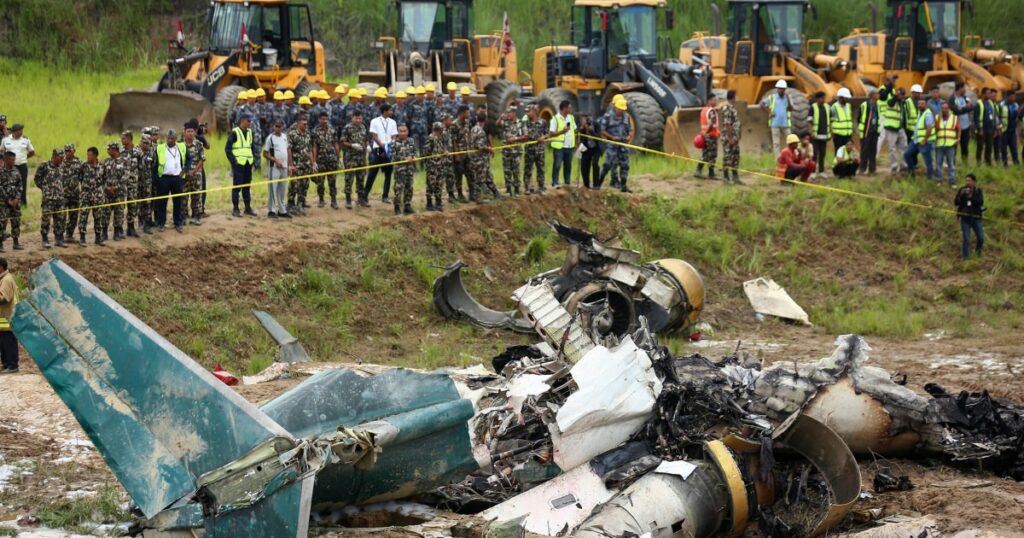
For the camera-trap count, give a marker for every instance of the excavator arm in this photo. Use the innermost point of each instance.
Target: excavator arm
(971, 73)
(808, 80)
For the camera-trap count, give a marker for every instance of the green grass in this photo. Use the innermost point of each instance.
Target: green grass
(84, 514)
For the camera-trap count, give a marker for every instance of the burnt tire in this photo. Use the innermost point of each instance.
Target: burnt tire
(799, 112)
(648, 120)
(224, 103)
(547, 101)
(304, 87)
(500, 94)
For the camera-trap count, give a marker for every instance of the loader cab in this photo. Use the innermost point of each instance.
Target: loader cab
(282, 33)
(428, 25)
(609, 33)
(919, 29)
(761, 29)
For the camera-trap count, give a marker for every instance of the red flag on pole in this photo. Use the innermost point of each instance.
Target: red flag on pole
(180, 36)
(244, 39)
(506, 37)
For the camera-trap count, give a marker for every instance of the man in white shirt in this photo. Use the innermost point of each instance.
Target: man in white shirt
(383, 129)
(23, 151)
(275, 151)
(563, 142)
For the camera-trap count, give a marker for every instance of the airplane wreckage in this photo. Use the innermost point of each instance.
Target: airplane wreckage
(589, 432)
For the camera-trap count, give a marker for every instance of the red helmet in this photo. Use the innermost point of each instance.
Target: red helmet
(698, 141)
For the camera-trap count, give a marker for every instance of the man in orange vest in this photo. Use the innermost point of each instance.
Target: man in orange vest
(709, 128)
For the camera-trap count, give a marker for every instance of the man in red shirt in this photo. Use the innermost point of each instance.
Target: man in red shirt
(791, 164)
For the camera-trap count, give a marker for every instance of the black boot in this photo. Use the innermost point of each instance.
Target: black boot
(99, 238)
(60, 241)
(321, 205)
(699, 174)
(461, 197)
(105, 236)
(430, 203)
(118, 233)
(451, 198)
(46, 241)
(348, 201)
(81, 239)
(334, 202)
(711, 172)
(17, 245)
(398, 210)
(438, 206)
(408, 209)
(132, 232)
(147, 227)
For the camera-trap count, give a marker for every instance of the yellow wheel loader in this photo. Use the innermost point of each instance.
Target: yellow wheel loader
(922, 45)
(764, 44)
(616, 50)
(435, 45)
(252, 44)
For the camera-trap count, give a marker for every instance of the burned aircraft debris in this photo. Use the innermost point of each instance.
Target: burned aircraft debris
(605, 287)
(590, 432)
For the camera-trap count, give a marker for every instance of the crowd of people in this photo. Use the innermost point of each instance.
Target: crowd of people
(312, 138)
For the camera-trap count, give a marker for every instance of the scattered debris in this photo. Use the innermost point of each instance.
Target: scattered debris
(604, 286)
(899, 526)
(290, 348)
(224, 376)
(885, 481)
(770, 299)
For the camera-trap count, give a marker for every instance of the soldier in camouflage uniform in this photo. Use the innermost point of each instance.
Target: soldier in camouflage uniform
(301, 162)
(71, 182)
(325, 138)
(731, 133)
(437, 167)
(480, 162)
(91, 196)
(147, 166)
(419, 119)
(10, 201)
(48, 180)
(353, 142)
(195, 161)
(536, 130)
(403, 155)
(114, 172)
(616, 128)
(336, 107)
(280, 110)
(448, 169)
(402, 110)
(460, 132)
(131, 156)
(513, 132)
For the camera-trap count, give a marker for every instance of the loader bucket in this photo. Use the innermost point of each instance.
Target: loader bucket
(134, 109)
(683, 125)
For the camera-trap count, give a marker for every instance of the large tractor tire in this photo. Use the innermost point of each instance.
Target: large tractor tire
(224, 103)
(648, 120)
(547, 101)
(799, 112)
(304, 87)
(500, 94)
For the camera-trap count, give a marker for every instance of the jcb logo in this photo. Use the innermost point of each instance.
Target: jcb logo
(216, 75)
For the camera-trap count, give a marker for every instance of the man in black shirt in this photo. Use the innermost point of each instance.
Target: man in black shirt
(970, 203)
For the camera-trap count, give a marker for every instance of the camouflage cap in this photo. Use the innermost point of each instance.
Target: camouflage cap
(146, 131)
(114, 145)
(438, 126)
(531, 107)
(69, 147)
(57, 152)
(3, 118)
(127, 134)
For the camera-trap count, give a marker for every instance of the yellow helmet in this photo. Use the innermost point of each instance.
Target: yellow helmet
(324, 95)
(452, 86)
(400, 95)
(243, 95)
(621, 104)
(792, 139)
(381, 93)
(288, 94)
(618, 97)
(304, 100)
(279, 95)
(465, 90)
(260, 92)
(420, 90)
(352, 94)
(341, 89)
(430, 88)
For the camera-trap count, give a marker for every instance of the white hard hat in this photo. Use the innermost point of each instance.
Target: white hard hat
(781, 84)
(843, 92)
(916, 88)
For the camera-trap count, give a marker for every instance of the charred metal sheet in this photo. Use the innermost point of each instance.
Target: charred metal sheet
(453, 301)
(291, 350)
(553, 322)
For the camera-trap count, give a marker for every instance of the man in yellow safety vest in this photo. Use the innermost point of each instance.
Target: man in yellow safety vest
(947, 137)
(240, 155)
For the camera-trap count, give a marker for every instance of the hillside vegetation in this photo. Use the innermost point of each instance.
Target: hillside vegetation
(95, 35)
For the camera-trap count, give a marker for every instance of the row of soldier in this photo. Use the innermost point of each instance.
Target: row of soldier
(116, 191)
